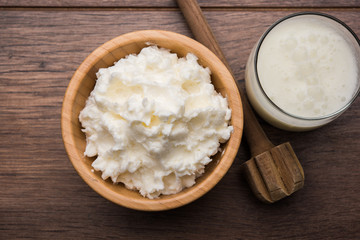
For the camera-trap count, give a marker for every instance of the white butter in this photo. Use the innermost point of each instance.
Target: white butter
(153, 121)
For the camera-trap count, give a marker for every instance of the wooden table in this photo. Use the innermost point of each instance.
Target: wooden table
(42, 197)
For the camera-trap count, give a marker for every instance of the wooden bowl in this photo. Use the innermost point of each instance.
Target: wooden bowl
(82, 84)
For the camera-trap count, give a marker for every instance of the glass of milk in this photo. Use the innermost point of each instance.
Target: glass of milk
(304, 71)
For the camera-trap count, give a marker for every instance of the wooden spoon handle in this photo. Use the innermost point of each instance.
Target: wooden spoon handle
(256, 138)
(200, 28)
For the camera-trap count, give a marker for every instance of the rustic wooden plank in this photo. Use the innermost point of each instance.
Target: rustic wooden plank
(42, 197)
(172, 3)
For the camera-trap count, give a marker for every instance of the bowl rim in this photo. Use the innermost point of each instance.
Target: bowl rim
(192, 193)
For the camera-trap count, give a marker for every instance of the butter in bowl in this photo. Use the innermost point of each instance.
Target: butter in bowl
(152, 120)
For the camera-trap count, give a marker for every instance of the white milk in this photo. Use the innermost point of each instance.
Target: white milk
(307, 67)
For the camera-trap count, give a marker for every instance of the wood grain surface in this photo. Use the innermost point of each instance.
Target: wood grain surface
(42, 197)
(172, 3)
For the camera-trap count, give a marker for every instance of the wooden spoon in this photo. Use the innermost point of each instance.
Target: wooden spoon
(273, 172)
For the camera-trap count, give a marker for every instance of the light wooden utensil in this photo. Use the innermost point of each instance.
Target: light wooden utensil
(82, 83)
(273, 172)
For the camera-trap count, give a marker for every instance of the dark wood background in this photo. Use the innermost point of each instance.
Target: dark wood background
(42, 197)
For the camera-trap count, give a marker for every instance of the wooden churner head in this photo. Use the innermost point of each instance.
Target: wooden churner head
(274, 174)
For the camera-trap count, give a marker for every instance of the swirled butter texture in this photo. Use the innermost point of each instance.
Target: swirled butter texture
(153, 121)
